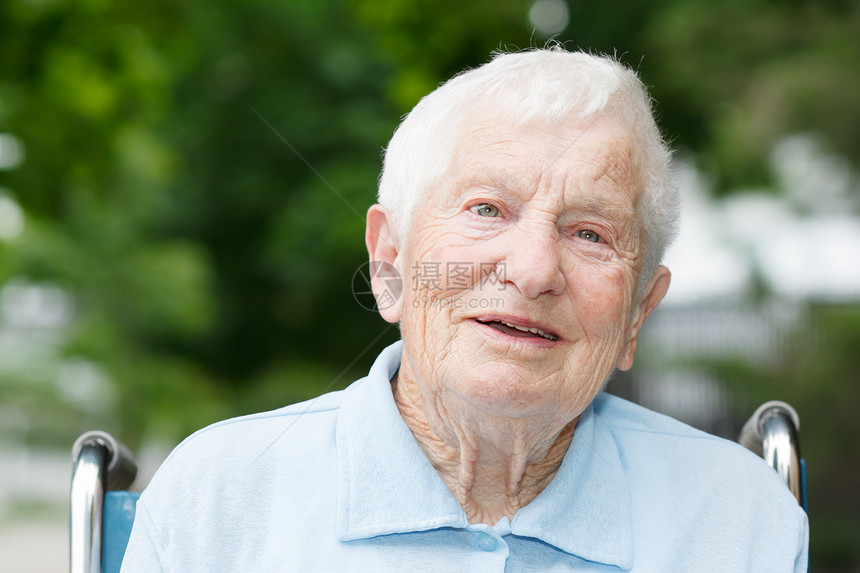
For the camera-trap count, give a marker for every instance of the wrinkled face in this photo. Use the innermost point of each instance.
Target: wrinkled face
(520, 272)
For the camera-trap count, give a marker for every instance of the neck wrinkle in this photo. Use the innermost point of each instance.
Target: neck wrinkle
(492, 466)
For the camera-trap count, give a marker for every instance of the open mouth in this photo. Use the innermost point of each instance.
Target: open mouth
(518, 331)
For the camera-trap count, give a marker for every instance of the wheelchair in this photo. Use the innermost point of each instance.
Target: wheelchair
(101, 512)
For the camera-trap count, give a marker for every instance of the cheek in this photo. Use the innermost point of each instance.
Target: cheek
(447, 271)
(426, 320)
(602, 299)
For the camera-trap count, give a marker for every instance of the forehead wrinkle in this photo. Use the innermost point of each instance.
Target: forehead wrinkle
(612, 159)
(606, 167)
(616, 180)
(619, 170)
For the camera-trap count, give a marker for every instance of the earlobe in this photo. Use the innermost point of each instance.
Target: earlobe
(654, 293)
(383, 251)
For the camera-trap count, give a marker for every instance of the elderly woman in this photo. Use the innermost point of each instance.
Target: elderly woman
(482, 441)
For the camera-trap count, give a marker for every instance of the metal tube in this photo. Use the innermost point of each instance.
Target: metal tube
(781, 449)
(771, 432)
(86, 500)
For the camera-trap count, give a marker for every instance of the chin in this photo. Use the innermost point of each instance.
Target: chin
(501, 391)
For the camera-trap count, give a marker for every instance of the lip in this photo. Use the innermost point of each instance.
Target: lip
(479, 322)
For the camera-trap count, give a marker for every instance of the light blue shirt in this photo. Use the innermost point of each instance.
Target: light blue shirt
(339, 483)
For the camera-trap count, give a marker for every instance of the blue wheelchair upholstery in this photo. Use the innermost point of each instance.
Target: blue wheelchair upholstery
(117, 519)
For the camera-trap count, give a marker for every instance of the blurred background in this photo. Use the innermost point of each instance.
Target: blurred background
(182, 190)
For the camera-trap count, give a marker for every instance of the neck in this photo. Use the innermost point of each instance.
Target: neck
(492, 465)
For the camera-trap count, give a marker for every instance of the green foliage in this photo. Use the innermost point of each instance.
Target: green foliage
(733, 77)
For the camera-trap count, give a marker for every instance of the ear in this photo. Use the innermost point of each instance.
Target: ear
(383, 251)
(654, 293)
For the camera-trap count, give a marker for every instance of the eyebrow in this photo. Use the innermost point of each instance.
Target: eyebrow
(499, 179)
(592, 204)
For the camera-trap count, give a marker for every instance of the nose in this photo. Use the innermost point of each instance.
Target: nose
(533, 263)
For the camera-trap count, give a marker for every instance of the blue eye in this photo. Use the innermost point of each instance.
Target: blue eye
(485, 210)
(588, 235)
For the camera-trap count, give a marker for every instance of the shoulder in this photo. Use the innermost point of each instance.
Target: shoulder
(662, 453)
(631, 422)
(243, 478)
(652, 439)
(230, 463)
(251, 429)
(620, 413)
(707, 474)
(694, 496)
(243, 449)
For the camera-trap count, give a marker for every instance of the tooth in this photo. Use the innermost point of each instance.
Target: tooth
(533, 330)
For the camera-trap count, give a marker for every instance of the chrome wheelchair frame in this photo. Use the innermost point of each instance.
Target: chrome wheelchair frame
(100, 514)
(772, 433)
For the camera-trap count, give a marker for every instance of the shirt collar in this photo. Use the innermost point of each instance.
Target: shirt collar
(585, 510)
(385, 482)
(387, 485)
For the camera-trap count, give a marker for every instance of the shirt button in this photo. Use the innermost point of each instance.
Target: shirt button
(487, 542)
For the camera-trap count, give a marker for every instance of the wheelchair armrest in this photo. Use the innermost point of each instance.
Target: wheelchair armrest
(121, 467)
(100, 463)
(772, 433)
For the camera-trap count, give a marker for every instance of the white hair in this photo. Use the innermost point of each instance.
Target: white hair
(548, 85)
